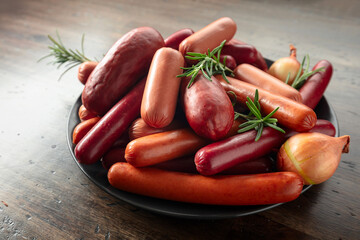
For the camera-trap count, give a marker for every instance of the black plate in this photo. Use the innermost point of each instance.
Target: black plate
(177, 209)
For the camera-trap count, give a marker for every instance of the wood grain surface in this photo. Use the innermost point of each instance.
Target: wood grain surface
(43, 193)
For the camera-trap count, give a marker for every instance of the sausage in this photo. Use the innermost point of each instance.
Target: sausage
(291, 114)
(229, 61)
(162, 88)
(219, 156)
(124, 64)
(113, 156)
(259, 60)
(83, 128)
(161, 147)
(85, 70)
(241, 53)
(207, 107)
(111, 126)
(209, 37)
(176, 38)
(254, 189)
(259, 78)
(85, 114)
(315, 86)
(139, 128)
(226, 154)
(259, 165)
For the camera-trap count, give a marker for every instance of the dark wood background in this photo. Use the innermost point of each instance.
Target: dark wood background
(44, 195)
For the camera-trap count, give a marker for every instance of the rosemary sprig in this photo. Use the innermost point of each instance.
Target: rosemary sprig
(255, 119)
(71, 58)
(209, 64)
(301, 78)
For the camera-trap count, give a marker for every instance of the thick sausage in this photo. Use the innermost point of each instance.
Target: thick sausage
(291, 114)
(241, 53)
(207, 107)
(259, 78)
(124, 64)
(111, 126)
(209, 37)
(161, 147)
(254, 189)
(176, 38)
(162, 88)
(315, 86)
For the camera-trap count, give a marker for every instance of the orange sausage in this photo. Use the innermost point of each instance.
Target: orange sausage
(161, 147)
(254, 189)
(85, 114)
(255, 76)
(291, 114)
(85, 70)
(139, 128)
(162, 88)
(209, 37)
(82, 128)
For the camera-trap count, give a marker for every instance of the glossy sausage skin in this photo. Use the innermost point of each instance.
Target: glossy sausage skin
(84, 71)
(259, 78)
(85, 114)
(241, 53)
(291, 114)
(111, 126)
(315, 86)
(209, 37)
(253, 189)
(162, 88)
(207, 107)
(125, 63)
(139, 128)
(229, 61)
(113, 156)
(176, 38)
(226, 154)
(161, 147)
(219, 156)
(83, 128)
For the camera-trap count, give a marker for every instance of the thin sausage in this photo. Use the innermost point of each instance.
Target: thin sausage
(259, 78)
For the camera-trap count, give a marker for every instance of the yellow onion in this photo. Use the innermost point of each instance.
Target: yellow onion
(314, 156)
(283, 66)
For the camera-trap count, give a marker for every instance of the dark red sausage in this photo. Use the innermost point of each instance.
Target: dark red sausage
(314, 88)
(241, 53)
(219, 156)
(229, 62)
(125, 63)
(207, 107)
(111, 126)
(225, 154)
(174, 40)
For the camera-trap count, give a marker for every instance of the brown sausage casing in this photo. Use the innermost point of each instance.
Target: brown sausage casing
(162, 88)
(124, 64)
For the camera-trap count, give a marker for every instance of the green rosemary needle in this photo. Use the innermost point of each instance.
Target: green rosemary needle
(255, 119)
(209, 64)
(71, 58)
(301, 78)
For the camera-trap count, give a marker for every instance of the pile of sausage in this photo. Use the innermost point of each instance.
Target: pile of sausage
(160, 138)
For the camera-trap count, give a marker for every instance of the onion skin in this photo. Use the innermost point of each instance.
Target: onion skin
(314, 156)
(281, 67)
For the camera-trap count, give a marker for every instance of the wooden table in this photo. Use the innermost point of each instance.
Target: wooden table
(43, 193)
